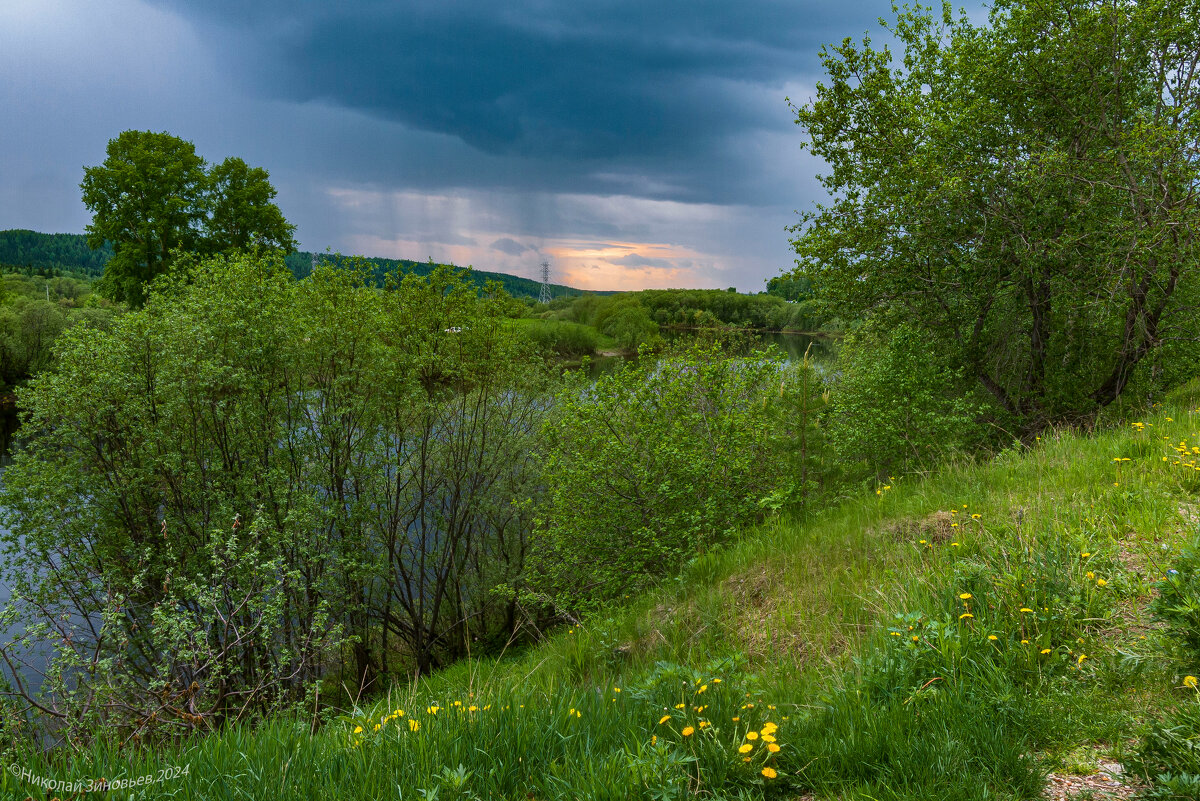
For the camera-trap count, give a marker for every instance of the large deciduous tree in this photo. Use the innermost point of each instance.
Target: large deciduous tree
(153, 196)
(1025, 189)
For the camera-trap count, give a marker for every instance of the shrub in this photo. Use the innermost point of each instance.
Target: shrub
(655, 464)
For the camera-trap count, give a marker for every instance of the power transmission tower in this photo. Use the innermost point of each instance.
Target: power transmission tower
(544, 297)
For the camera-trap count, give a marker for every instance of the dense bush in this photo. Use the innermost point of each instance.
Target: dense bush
(658, 462)
(255, 480)
(895, 404)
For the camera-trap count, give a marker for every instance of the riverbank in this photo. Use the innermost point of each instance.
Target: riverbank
(958, 637)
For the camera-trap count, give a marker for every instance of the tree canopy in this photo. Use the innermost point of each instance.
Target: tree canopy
(1025, 189)
(154, 195)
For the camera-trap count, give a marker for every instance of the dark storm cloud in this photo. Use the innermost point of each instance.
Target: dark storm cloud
(509, 246)
(626, 96)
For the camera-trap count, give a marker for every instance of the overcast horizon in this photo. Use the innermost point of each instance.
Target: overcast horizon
(631, 145)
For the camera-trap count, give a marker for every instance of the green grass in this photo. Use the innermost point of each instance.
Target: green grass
(563, 338)
(849, 631)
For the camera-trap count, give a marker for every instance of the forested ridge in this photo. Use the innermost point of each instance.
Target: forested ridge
(31, 251)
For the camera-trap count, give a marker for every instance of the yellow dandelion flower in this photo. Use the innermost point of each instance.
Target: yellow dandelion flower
(1101, 583)
(993, 637)
(770, 728)
(680, 706)
(1082, 657)
(1045, 650)
(773, 748)
(768, 737)
(414, 725)
(616, 689)
(745, 749)
(688, 731)
(735, 720)
(751, 735)
(702, 689)
(358, 729)
(1189, 681)
(1026, 609)
(966, 596)
(1024, 642)
(704, 724)
(769, 773)
(965, 614)
(663, 719)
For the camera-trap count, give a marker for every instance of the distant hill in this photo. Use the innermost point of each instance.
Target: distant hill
(34, 252)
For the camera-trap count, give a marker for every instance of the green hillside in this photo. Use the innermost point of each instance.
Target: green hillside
(972, 635)
(31, 251)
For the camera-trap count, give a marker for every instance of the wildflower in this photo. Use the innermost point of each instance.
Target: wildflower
(472, 709)
(376, 727)
(773, 748)
(955, 544)
(704, 724)
(1045, 650)
(687, 731)
(1189, 681)
(1026, 609)
(975, 517)
(1082, 657)
(735, 720)
(751, 735)
(702, 689)
(616, 689)
(1101, 583)
(993, 637)
(745, 749)
(654, 740)
(966, 596)
(923, 542)
(769, 727)
(1024, 642)
(954, 525)
(915, 638)
(414, 725)
(769, 773)
(716, 681)
(358, 729)
(768, 738)
(965, 614)
(663, 719)
(1090, 575)
(680, 706)
(1085, 554)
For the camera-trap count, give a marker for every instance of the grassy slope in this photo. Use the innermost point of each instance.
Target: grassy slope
(796, 625)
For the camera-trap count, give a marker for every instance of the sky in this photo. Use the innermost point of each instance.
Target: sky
(630, 144)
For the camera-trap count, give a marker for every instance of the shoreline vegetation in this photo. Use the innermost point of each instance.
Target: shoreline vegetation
(959, 636)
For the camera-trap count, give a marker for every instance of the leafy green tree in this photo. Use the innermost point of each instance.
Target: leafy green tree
(153, 196)
(1026, 188)
(243, 213)
(147, 199)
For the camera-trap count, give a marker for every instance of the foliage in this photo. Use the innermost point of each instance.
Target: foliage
(1026, 188)
(253, 479)
(33, 312)
(697, 308)
(52, 253)
(566, 339)
(896, 404)
(1177, 602)
(809, 616)
(653, 465)
(301, 264)
(153, 197)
